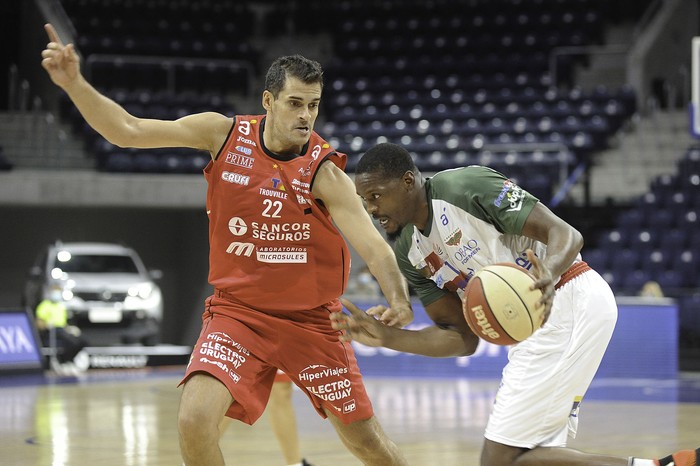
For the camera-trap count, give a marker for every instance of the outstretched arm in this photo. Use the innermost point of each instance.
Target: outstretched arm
(337, 192)
(450, 336)
(205, 131)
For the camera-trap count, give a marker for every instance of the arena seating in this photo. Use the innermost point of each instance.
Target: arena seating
(656, 239)
(162, 59)
(457, 82)
(451, 81)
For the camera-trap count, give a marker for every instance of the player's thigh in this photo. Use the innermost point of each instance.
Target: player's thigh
(204, 399)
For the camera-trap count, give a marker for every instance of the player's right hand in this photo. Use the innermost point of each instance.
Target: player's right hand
(544, 282)
(396, 316)
(59, 60)
(358, 325)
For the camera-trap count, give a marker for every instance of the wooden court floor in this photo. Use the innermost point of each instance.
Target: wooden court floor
(129, 418)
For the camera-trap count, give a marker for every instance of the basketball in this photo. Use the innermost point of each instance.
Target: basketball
(499, 305)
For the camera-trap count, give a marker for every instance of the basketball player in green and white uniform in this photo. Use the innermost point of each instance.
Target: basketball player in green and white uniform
(448, 227)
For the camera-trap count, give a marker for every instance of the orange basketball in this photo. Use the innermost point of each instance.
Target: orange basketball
(499, 305)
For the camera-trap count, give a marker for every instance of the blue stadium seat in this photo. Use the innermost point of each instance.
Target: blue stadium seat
(673, 240)
(146, 162)
(645, 239)
(118, 162)
(671, 281)
(614, 239)
(663, 219)
(689, 313)
(657, 261)
(598, 259)
(630, 258)
(633, 281)
(632, 218)
(686, 264)
(195, 163)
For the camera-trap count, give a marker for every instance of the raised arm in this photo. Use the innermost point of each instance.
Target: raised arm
(337, 192)
(204, 131)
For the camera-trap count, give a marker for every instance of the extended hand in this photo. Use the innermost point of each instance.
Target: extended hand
(392, 316)
(60, 61)
(544, 282)
(358, 325)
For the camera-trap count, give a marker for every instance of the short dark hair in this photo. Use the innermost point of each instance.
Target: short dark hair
(387, 159)
(305, 70)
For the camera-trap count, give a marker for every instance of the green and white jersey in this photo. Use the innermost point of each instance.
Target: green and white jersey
(477, 217)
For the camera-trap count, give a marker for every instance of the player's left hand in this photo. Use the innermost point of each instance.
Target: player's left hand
(358, 325)
(545, 283)
(60, 61)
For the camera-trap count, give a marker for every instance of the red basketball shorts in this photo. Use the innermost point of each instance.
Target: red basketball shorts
(243, 348)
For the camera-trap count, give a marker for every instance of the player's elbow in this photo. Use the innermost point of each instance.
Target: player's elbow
(568, 237)
(119, 142)
(126, 133)
(470, 343)
(577, 239)
(118, 137)
(464, 345)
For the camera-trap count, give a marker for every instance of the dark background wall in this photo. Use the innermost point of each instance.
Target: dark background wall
(9, 34)
(172, 240)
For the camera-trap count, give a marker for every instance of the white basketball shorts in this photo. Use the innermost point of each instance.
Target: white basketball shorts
(548, 374)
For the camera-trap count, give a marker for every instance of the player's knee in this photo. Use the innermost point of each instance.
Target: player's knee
(186, 424)
(194, 424)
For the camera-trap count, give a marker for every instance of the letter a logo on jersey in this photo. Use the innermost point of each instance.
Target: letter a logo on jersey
(237, 226)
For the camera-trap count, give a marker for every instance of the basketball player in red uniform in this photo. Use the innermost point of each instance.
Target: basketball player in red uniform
(278, 262)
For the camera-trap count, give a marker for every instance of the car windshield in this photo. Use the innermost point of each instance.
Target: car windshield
(93, 263)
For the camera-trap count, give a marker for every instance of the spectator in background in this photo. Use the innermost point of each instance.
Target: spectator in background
(55, 333)
(651, 289)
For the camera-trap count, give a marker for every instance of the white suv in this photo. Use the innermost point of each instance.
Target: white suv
(106, 288)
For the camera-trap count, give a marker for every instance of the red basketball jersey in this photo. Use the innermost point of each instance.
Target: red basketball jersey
(273, 246)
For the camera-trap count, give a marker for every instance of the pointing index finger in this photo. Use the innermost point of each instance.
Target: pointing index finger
(53, 35)
(354, 310)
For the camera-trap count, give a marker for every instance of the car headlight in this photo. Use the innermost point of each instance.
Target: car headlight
(142, 290)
